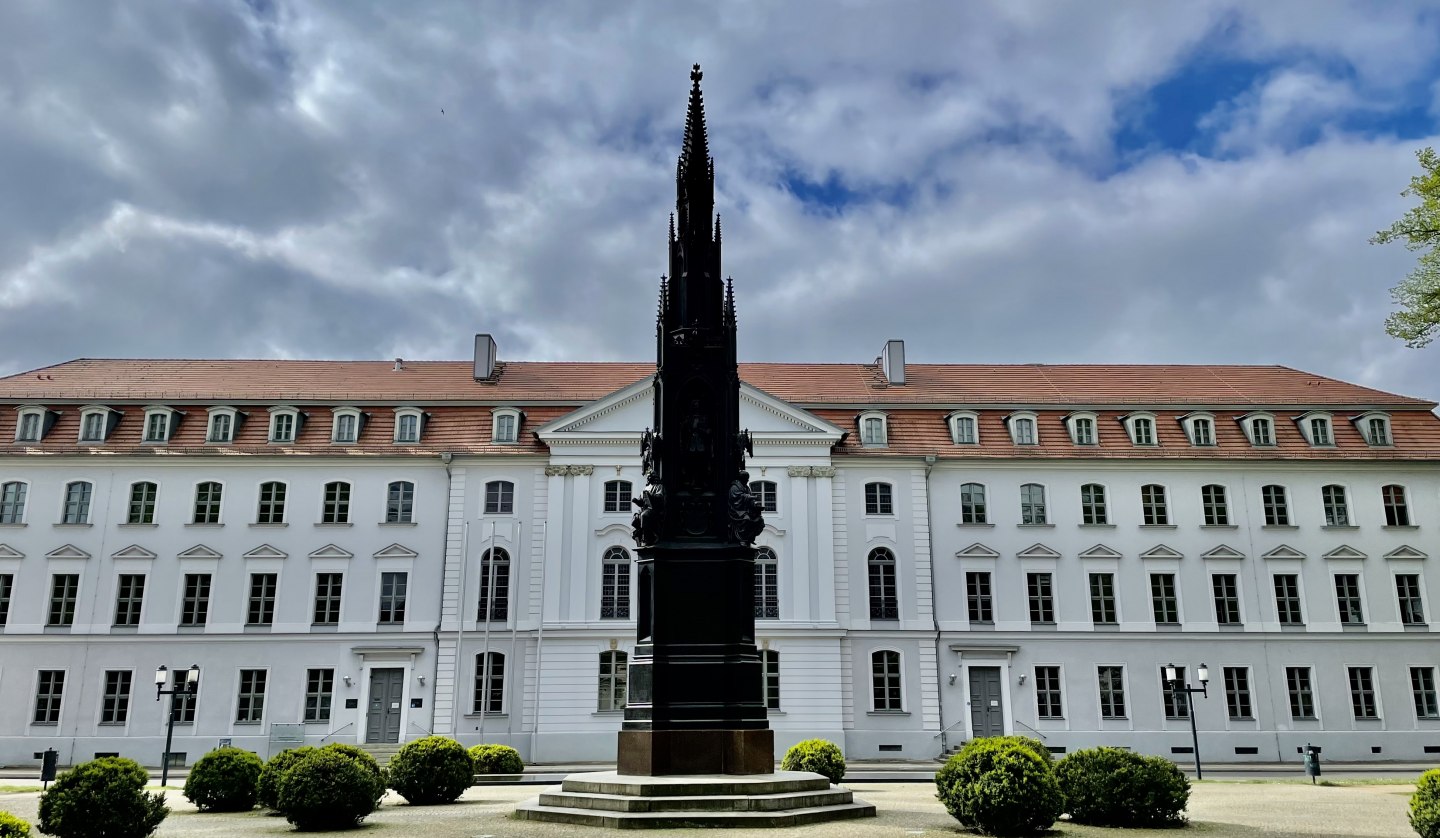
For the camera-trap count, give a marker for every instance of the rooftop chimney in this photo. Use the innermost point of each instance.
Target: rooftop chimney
(484, 357)
(893, 358)
(399, 364)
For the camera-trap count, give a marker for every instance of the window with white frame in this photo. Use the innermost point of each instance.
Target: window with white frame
(159, 423)
(1337, 508)
(1317, 429)
(489, 683)
(618, 494)
(400, 502)
(615, 584)
(1288, 603)
(1176, 704)
(409, 424)
(885, 681)
(272, 503)
(1141, 428)
(1407, 595)
(1225, 588)
(224, 423)
(1112, 691)
(1082, 428)
(1103, 610)
(494, 603)
(335, 505)
(394, 597)
(873, 431)
(972, 503)
(1215, 505)
(115, 697)
(1237, 692)
(250, 702)
(1259, 428)
(12, 502)
(345, 425)
(767, 584)
(1349, 603)
(1164, 602)
(1154, 508)
(1022, 428)
(614, 669)
(284, 424)
(1092, 505)
(77, 503)
(319, 693)
(878, 499)
(1397, 511)
(505, 425)
(1375, 427)
(49, 692)
(207, 503)
(64, 594)
(499, 497)
(765, 494)
(30, 426)
(1048, 693)
(1201, 430)
(979, 601)
(95, 423)
(770, 672)
(1362, 692)
(965, 428)
(1422, 689)
(1302, 692)
(1276, 506)
(1040, 596)
(1032, 504)
(884, 592)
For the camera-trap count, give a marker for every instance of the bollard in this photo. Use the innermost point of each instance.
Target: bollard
(48, 760)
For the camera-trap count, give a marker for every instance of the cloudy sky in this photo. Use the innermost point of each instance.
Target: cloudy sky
(1006, 182)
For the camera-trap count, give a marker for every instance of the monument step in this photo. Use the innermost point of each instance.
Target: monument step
(785, 801)
(535, 811)
(630, 785)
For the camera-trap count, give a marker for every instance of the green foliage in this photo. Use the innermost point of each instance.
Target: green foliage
(103, 798)
(13, 827)
(1418, 295)
(1000, 787)
(268, 789)
(1425, 805)
(224, 780)
(496, 759)
(363, 759)
(1111, 787)
(818, 755)
(328, 789)
(432, 770)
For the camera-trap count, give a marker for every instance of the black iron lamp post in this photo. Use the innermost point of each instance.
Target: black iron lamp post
(1176, 683)
(190, 687)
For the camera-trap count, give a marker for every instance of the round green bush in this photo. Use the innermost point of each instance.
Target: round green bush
(496, 759)
(267, 792)
(1112, 787)
(102, 797)
(816, 755)
(13, 827)
(326, 789)
(436, 769)
(363, 759)
(1425, 805)
(224, 780)
(1000, 788)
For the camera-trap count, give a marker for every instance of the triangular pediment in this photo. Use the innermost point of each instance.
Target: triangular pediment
(977, 551)
(396, 551)
(200, 551)
(330, 551)
(1162, 551)
(1100, 551)
(1344, 551)
(1038, 551)
(134, 551)
(8, 552)
(1405, 551)
(1222, 551)
(265, 551)
(68, 551)
(1284, 551)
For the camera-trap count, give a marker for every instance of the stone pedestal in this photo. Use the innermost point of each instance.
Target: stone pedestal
(656, 753)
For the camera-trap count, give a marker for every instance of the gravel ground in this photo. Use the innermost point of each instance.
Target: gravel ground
(1242, 810)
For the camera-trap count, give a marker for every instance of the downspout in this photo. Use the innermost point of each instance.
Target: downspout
(930, 460)
(539, 638)
(445, 460)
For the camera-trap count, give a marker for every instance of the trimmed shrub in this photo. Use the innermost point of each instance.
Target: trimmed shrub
(326, 789)
(267, 792)
(13, 827)
(1425, 805)
(1111, 787)
(224, 780)
(496, 759)
(102, 797)
(818, 755)
(946, 775)
(436, 769)
(1000, 787)
(362, 758)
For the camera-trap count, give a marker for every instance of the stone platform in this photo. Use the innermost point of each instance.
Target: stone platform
(626, 801)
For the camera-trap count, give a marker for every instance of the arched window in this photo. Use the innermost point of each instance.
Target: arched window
(1277, 508)
(336, 508)
(77, 503)
(499, 497)
(489, 683)
(1032, 504)
(764, 492)
(767, 587)
(207, 502)
(877, 499)
(770, 669)
(613, 671)
(1092, 505)
(617, 495)
(884, 600)
(885, 679)
(615, 584)
(972, 503)
(494, 585)
(1214, 505)
(142, 503)
(1337, 509)
(1155, 511)
(400, 502)
(1397, 511)
(12, 502)
(272, 503)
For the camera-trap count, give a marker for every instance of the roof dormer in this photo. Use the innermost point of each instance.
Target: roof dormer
(874, 429)
(1259, 428)
(34, 422)
(160, 424)
(285, 424)
(1374, 426)
(1084, 427)
(505, 424)
(223, 424)
(1199, 428)
(1317, 428)
(1024, 429)
(346, 424)
(1140, 426)
(964, 427)
(409, 425)
(97, 421)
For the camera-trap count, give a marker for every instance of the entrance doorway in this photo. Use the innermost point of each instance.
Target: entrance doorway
(987, 715)
(382, 717)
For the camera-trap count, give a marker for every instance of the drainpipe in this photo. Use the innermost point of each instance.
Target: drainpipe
(445, 459)
(930, 460)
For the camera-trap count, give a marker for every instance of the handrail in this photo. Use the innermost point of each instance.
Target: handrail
(1029, 728)
(338, 730)
(423, 730)
(943, 732)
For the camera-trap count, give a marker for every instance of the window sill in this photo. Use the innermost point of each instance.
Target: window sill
(51, 629)
(210, 442)
(979, 526)
(64, 525)
(325, 628)
(316, 722)
(1105, 626)
(390, 625)
(1036, 526)
(1167, 626)
(239, 723)
(491, 715)
(1279, 527)
(44, 724)
(1353, 626)
(259, 525)
(258, 628)
(1340, 527)
(1401, 527)
(888, 713)
(1230, 626)
(609, 713)
(398, 524)
(1114, 718)
(15, 525)
(190, 629)
(204, 526)
(335, 525)
(137, 525)
(1219, 526)
(1416, 626)
(1157, 526)
(280, 442)
(1097, 526)
(124, 629)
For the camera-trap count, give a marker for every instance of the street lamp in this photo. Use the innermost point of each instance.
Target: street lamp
(1176, 683)
(190, 687)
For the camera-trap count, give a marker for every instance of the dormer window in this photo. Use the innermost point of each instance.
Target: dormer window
(1199, 428)
(1022, 428)
(965, 428)
(506, 424)
(224, 424)
(1375, 427)
(345, 426)
(1315, 425)
(96, 422)
(34, 422)
(1082, 428)
(1141, 428)
(873, 430)
(1259, 428)
(285, 424)
(409, 424)
(160, 423)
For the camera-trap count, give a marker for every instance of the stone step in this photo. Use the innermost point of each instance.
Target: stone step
(613, 783)
(785, 801)
(535, 811)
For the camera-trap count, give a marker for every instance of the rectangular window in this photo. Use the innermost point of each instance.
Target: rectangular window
(92, 428)
(1319, 431)
(1202, 432)
(1347, 599)
(195, 607)
(157, 427)
(770, 669)
(977, 597)
(1048, 695)
(77, 503)
(1144, 432)
(1397, 512)
(885, 681)
(763, 490)
(250, 703)
(1226, 589)
(129, 597)
(972, 503)
(327, 598)
(207, 503)
(1407, 592)
(1084, 431)
(400, 503)
(1337, 511)
(877, 499)
(220, 426)
(1112, 692)
(1092, 505)
(489, 683)
(1302, 694)
(142, 503)
(29, 428)
(1422, 688)
(260, 610)
(1260, 432)
(1163, 599)
(337, 503)
(272, 503)
(49, 690)
(617, 495)
(884, 592)
(1177, 704)
(7, 584)
(1217, 509)
(12, 503)
(505, 428)
(615, 585)
(613, 671)
(1377, 432)
(1156, 512)
(392, 597)
(1277, 509)
(499, 497)
(1362, 693)
(1024, 431)
(1287, 599)
(345, 426)
(282, 428)
(115, 700)
(1032, 504)
(64, 590)
(407, 428)
(1102, 599)
(1237, 693)
(319, 692)
(767, 585)
(872, 431)
(182, 703)
(964, 430)
(1041, 593)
